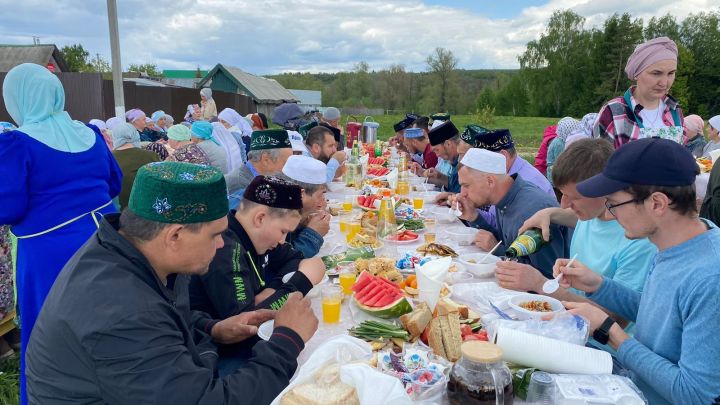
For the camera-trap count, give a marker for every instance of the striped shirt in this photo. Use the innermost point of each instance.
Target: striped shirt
(617, 124)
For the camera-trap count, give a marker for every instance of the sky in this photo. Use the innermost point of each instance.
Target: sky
(274, 36)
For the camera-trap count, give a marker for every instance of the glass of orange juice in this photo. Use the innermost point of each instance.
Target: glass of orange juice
(348, 203)
(418, 203)
(354, 228)
(347, 278)
(332, 296)
(344, 222)
(429, 234)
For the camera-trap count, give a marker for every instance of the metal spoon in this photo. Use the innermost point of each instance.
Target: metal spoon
(551, 286)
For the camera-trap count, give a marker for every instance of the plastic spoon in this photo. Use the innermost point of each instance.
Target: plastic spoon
(490, 252)
(457, 211)
(551, 286)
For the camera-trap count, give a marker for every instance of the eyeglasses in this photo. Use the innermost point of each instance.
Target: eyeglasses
(611, 207)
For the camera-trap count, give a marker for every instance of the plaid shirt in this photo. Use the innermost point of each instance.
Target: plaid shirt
(617, 124)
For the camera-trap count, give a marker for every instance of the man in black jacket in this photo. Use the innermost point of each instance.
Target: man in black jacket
(247, 272)
(117, 328)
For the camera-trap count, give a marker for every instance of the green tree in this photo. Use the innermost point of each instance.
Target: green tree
(486, 98)
(76, 57)
(99, 64)
(442, 64)
(665, 26)
(150, 69)
(700, 33)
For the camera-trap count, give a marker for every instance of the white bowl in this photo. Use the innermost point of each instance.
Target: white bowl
(472, 263)
(336, 186)
(463, 236)
(523, 313)
(441, 214)
(415, 180)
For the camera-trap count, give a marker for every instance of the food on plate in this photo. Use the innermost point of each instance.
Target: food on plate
(377, 171)
(379, 266)
(437, 250)
(444, 335)
(327, 389)
(377, 183)
(416, 321)
(536, 306)
(410, 287)
(368, 201)
(376, 161)
(379, 297)
(414, 224)
(705, 164)
(403, 236)
(362, 239)
(369, 221)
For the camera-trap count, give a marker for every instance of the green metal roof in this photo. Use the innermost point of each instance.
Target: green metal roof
(183, 74)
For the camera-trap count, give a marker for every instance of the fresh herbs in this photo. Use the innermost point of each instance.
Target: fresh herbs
(374, 330)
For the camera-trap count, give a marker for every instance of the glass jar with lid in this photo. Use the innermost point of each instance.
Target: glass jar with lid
(480, 377)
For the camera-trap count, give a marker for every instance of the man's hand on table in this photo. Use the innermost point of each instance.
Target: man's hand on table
(297, 315)
(240, 327)
(485, 240)
(519, 277)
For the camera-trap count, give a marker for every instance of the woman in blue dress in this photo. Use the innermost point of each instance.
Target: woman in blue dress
(58, 179)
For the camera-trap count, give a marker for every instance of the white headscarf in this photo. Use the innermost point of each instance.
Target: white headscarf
(35, 99)
(98, 123)
(207, 92)
(229, 144)
(236, 120)
(566, 126)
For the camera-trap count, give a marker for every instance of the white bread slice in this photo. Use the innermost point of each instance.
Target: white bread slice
(453, 340)
(326, 390)
(416, 321)
(435, 340)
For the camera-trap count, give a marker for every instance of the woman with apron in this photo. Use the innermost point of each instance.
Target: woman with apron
(645, 110)
(58, 180)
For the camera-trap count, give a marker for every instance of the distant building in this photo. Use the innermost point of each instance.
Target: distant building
(46, 55)
(184, 78)
(266, 93)
(310, 100)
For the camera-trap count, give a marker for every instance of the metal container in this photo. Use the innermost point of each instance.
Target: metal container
(369, 130)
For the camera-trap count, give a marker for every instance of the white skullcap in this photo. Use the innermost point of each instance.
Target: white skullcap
(296, 141)
(305, 169)
(485, 161)
(435, 124)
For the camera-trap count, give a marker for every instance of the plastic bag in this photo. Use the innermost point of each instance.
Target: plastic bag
(596, 389)
(564, 326)
(423, 374)
(371, 386)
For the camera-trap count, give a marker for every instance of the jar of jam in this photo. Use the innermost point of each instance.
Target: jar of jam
(480, 377)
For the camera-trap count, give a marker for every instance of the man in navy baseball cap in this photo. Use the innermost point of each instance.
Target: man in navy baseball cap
(649, 187)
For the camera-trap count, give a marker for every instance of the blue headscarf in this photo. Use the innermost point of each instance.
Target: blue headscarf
(35, 99)
(6, 126)
(125, 133)
(203, 130)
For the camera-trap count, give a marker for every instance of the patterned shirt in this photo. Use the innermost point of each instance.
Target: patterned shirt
(617, 124)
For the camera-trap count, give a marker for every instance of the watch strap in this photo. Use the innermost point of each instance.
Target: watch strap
(602, 334)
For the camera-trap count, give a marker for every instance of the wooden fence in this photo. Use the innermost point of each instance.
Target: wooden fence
(88, 96)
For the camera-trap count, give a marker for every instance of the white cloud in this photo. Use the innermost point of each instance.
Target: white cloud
(303, 35)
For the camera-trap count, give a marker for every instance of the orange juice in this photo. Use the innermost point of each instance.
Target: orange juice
(347, 206)
(346, 281)
(403, 188)
(429, 237)
(418, 203)
(344, 226)
(353, 229)
(331, 310)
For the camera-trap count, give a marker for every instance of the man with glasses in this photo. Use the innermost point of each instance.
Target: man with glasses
(674, 355)
(598, 239)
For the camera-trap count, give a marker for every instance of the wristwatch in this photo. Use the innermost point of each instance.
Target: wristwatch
(602, 334)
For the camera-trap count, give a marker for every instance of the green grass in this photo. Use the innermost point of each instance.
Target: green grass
(10, 381)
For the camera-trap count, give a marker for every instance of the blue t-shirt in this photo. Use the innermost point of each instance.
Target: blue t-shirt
(604, 249)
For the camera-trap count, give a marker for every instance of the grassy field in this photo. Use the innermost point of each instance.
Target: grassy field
(9, 381)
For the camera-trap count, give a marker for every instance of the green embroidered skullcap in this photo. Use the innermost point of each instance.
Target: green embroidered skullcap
(179, 193)
(472, 133)
(270, 139)
(440, 117)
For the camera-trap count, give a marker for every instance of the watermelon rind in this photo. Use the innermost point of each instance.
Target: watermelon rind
(399, 307)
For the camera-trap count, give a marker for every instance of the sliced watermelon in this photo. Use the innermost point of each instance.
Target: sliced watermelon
(367, 289)
(394, 309)
(363, 280)
(377, 290)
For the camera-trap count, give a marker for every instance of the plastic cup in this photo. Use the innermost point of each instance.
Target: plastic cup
(347, 204)
(332, 296)
(418, 203)
(541, 390)
(429, 234)
(344, 223)
(347, 278)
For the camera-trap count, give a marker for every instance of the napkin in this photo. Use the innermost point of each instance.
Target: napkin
(392, 178)
(430, 278)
